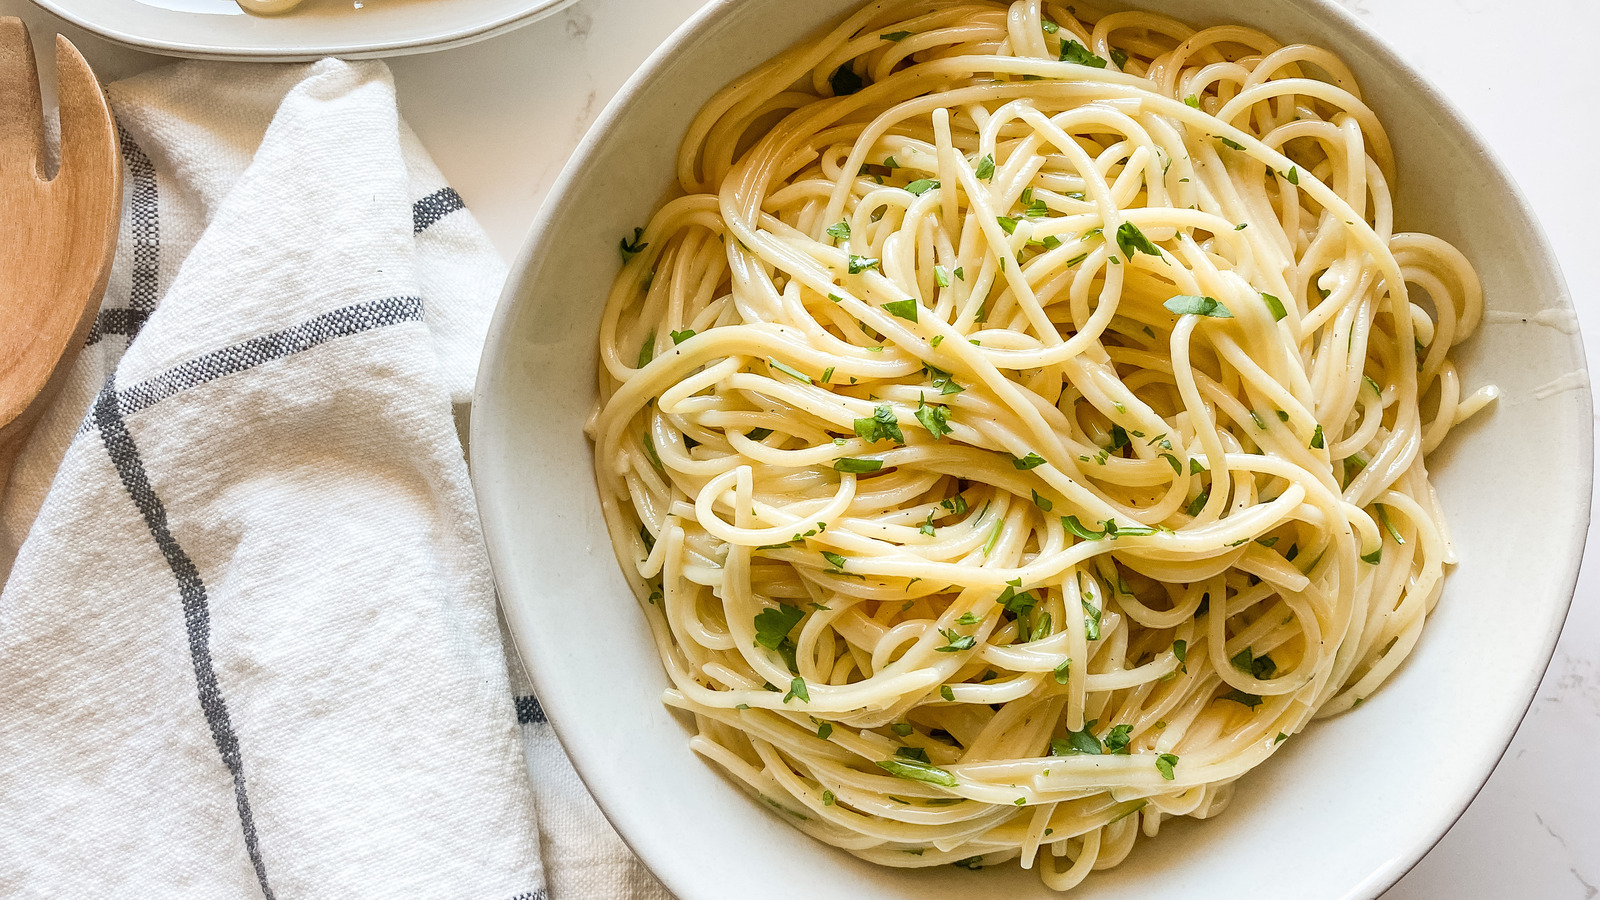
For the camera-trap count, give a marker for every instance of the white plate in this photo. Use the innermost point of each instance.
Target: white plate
(1340, 814)
(353, 29)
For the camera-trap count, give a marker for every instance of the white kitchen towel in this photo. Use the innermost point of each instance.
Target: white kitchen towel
(248, 644)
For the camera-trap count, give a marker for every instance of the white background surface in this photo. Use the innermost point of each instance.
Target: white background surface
(500, 118)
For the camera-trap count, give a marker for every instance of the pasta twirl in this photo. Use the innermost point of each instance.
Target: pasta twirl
(1015, 428)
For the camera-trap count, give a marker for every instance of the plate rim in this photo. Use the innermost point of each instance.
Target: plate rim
(534, 11)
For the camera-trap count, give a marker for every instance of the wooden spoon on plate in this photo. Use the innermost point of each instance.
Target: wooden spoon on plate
(56, 236)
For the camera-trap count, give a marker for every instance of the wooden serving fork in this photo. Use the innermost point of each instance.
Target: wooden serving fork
(57, 236)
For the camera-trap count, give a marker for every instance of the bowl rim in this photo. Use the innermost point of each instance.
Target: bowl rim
(534, 10)
(1338, 18)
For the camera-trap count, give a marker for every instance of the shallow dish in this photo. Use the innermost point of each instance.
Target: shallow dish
(1342, 812)
(352, 29)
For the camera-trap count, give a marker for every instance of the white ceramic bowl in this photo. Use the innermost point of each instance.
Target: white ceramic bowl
(1342, 812)
(353, 29)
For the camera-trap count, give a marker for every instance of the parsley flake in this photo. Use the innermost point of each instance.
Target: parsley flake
(1031, 461)
(1131, 239)
(797, 688)
(1164, 764)
(855, 466)
(880, 426)
(633, 248)
(1074, 52)
(933, 418)
(1190, 305)
(916, 770)
(902, 309)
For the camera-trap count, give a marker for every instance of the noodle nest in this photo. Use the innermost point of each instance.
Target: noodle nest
(1014, 427)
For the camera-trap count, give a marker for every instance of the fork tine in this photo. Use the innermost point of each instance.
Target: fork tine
(21, 118)
(88, 134)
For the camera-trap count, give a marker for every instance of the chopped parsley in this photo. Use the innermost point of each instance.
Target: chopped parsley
(1240, 697)
(1190, 305)
(1043, 503)
(1118, 739)
(902, 309)
(840, 231)
(1064, 671)
(773, 627)
(895, 36)
(933, 418)
(955, 641)
(1275, 306)
(633, 248)
(1164, 764)
(1031, 461)
(845, 81)
(1131, 239)
(824, 730)
(1074, 52)
(790, 371)
(916, 770)
(880, 426)
(922, 186)
(1071, 524)
(856, 466)
(944, 382)
(797, 688)
(859, 264)
(1383, 518)
(1077, 742)
(1091, 620)
(941, 277)
(985, 169)
(1258, 667)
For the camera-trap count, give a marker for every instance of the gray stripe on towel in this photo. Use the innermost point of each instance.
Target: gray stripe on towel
(144, 228)
(196, 609)
(434, 207)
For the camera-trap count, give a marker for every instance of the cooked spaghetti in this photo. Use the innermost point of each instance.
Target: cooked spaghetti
(1015, 429)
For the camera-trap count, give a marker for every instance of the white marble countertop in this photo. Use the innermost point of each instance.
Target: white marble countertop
(501, 116)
